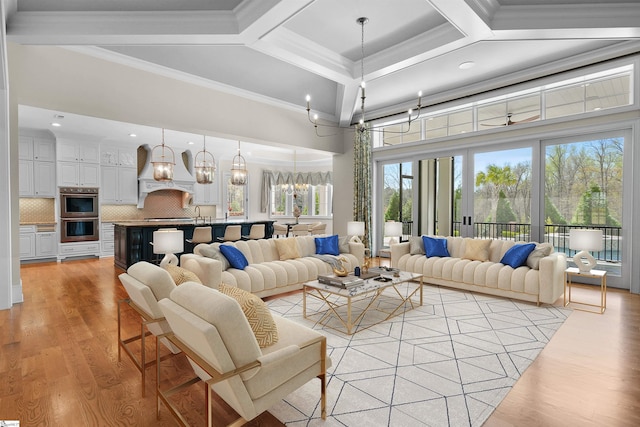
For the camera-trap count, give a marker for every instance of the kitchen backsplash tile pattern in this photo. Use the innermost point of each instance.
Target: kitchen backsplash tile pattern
(159, 204)
(37, 211)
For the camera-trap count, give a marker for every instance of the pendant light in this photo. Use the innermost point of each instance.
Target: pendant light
(239, 169)
(205, 164)
(163, 168)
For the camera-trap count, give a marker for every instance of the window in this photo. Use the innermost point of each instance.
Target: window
(235, 199)
(314, 200)
(592, 92)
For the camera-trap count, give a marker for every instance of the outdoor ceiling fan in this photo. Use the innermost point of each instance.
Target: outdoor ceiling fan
(510, 122)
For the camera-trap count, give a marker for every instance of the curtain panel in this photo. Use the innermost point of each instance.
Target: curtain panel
(271, 178)
(362, 171)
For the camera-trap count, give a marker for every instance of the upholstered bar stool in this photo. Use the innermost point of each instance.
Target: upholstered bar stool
(232, 233)
(256, 232)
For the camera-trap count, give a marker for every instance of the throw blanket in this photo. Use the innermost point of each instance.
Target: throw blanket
(332, 260)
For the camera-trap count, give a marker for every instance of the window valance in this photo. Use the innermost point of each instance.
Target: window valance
(270, 178)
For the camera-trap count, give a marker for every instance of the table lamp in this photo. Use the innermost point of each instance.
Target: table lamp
(584, 240)
(355, 229)
(392, 229)
(168, 242)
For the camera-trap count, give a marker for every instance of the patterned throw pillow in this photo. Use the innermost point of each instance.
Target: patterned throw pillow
(287, 248)
(257, 313)
(476, 249)
(181, 275)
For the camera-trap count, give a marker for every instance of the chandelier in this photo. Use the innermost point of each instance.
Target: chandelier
(163, 168)
(362, 126)
(238, 169)
(205, 164)
(296, 189)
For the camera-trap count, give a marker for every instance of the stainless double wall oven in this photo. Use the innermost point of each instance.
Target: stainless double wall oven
(79, 214)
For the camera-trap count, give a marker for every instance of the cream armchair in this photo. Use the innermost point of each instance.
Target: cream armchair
(145, 284)
(214, 333)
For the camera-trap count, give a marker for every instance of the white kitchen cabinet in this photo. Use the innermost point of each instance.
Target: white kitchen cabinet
(44, 179)
(76, 174)
(46, 244)
(207, 194)
(36, 244)
(27, 242)
(119, 185)
(107, 238)
(78, 249)
(77, 151)
(119, 156)
(37, 168)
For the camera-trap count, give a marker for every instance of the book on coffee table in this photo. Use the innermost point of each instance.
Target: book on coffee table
(346, 282)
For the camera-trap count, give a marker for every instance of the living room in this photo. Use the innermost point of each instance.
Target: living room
(73, 80)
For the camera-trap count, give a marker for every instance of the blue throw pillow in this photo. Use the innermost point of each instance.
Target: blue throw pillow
(327, 245)
(234, 256)
(435, 246)
(516, 255)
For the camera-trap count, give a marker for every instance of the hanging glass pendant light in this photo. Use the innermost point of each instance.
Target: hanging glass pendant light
(205, 164)
(163, 168)
(239, 169)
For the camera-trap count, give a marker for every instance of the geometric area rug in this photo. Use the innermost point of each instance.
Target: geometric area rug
(449, 362)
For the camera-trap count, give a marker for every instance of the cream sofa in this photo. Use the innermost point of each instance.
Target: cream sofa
(544, 284)
(267, 273)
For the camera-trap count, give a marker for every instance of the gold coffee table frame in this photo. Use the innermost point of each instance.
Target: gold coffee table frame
(371, 288)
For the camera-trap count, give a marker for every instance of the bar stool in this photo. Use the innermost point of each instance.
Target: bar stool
(201, 235)
(231, 234)
(256, 232)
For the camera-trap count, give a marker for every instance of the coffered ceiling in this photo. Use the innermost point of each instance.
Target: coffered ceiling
(281, 50)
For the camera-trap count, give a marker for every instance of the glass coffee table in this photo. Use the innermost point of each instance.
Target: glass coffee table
(340, 305)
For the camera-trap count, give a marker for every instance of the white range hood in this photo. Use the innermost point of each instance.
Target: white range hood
(182, 180)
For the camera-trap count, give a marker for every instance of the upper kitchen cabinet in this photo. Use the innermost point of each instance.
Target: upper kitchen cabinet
(122, 156)
(37, 167)
(78, 151)
(78, 163)
(119, 175)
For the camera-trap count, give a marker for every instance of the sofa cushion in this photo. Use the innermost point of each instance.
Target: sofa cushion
(287, 248)
(327, 245)
(516, 256)
(235, 257)
(181, 275)
(416, 245)
(343, 244)
(257, 313)
(213, 251)
(434, 246)
(541, 250)
(476, 249)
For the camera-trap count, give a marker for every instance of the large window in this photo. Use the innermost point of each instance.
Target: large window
(235, 199)
(312, 200)
(592, 92)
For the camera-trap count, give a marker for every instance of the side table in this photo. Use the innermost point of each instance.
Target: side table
(573, 272)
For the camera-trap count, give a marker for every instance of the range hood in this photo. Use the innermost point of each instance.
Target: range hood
(182, 180)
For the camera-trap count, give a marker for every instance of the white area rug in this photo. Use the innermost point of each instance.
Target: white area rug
(447, 363)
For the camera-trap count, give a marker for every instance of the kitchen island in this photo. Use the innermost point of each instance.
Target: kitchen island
(132, 239)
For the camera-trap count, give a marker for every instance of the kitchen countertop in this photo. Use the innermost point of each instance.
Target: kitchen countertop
(168, 222)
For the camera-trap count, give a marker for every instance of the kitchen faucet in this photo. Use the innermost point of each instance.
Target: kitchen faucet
(197, 210)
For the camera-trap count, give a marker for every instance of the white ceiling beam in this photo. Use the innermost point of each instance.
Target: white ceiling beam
(124, 28)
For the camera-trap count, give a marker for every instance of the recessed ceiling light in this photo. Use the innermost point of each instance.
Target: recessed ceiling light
(56, 124)
(190, 142)
(132, 135)
(466, 65)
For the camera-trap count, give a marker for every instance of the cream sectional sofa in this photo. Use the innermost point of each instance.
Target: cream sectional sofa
(267, 273)
(467, 270)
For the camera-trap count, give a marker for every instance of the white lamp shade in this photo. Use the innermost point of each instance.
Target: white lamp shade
(393, 228)
(585, 240)
(355, 228)
(168, 241)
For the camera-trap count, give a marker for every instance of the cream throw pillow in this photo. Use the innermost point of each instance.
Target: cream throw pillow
(287, 248)
(257, 313)
(181, 275)
(542, 250)
(476, 249)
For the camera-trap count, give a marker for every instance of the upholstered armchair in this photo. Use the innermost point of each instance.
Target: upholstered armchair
(145, 284)
(212, 330)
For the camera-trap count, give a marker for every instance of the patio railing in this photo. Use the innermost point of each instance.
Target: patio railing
(556, 234)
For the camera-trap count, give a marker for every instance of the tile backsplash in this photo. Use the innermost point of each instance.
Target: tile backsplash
(159, 204)
(37, 211)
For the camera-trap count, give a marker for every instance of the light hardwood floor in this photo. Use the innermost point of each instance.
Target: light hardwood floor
(59, 361)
